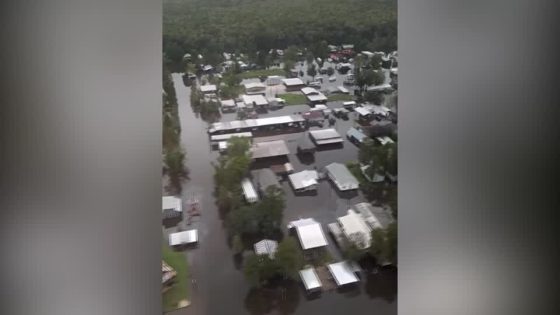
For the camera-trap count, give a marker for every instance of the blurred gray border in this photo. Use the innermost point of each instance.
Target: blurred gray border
(81, 157)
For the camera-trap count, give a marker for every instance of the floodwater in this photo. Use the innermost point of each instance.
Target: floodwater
(221, 287)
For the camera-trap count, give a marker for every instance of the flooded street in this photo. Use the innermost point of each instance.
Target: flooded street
(221, 287)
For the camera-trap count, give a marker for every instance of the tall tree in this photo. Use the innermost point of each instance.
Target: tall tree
(311, 71)
(289, 257)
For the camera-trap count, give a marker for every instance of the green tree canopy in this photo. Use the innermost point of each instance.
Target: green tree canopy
(289, 257)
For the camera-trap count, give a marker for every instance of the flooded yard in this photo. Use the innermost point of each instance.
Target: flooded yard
(221, 286)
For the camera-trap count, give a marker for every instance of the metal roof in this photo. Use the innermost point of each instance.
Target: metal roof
(256, 99)
(171, 203)
(293, 81)
(309, 91)
(251, 123)
(352, 223)
(264, 178)
(228, 103)
(303, 179)
(343, 273)
(249, 191)
(341, 176)
(375, 217)
(184, 237)
(323, 134)
(269, 149)
(310, 233)
(266, 247)
(208, 88)
(310, 279)
(356, 134)
(231, 135)
(362, 111)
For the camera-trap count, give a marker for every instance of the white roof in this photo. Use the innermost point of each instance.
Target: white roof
(325, 136)
(228, 103)
(310, 279)
(384, 140)
(319, 107)
(208, 88)
(352, 224)
(309, 91)
(292, 81)
(250, 123)
(367, 53)
(343, 89)
(185, 237)
(377, 109)
(254, 85)
(249, 191)
(303, 179)
(343, 273)
(319, 97)
(381, 87)
(171, 202)
(310, 233)
(256, 99)
(352, 103)
(269, 149)
(362, 111)
(231, 135)
(341, 176)
(266, 247)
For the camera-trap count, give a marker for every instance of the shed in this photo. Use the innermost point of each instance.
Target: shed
(269, 149)
(227, 105)
(249, 191)
(325, 136)
(293, 84)
(341, 177)
(310, 233)
(304, 180)
(266, 247)
(183, 238)
(310, 279)
(343, 273)
(254, 88)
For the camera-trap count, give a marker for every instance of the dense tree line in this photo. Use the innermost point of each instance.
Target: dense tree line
(210, 27)
(173, 154)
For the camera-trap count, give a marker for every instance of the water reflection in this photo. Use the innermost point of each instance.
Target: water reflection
(382, 284)
(283, 297)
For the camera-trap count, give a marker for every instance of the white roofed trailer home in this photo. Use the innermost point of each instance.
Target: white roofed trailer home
(171, 209)
(227, 105)
(255, 100)
(304, 181)
(310, 233)
(293, 84)
(255, 124)
(342, 178)
(375, 217)
(355, 229)
(249, 191)
(183, 238)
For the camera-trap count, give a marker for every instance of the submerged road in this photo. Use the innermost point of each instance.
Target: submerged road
(221, 287)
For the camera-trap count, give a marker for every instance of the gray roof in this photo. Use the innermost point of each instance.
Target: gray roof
(325, 136)
(269, 149)
(264, 178)
(310, 279)
(356, 134)
(305, 143)
(341, 176)
(266, 247)
(375, 217)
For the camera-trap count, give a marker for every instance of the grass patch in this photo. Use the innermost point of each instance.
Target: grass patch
(294, 99)
(259, 73)
(340, 97)
(180, 289)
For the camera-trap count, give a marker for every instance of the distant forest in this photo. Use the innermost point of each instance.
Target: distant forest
(210, 27)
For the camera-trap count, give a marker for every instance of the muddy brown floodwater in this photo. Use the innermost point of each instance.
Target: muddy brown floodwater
(221, 287)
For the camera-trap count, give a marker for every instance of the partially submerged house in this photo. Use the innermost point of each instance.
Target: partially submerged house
(264, 178)
(269, 149)
(341, 177)
(310, 233)
(356, 136)
(228, 106)
(344, 273)
(208, 89)
(313, 96)
(304, 181)
(255, 101)
(172, 210)
(325, 136)
(375, 217)
(305, 145)
(183, 238)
